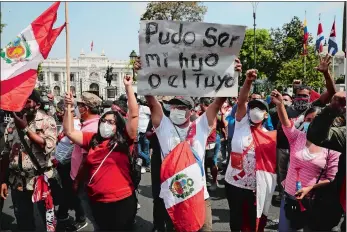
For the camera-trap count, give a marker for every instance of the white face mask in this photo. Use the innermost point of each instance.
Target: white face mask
(106, 130)
(256, 115)
(178, 117)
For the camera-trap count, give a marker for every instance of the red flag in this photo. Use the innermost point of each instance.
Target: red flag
(91, 46)
(21, 57)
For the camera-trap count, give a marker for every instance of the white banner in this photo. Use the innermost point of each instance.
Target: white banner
(189, 58)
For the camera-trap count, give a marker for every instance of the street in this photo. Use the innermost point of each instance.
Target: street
(144, 218)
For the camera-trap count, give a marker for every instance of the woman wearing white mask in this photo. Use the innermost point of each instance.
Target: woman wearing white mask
(306, 163)
(249, 183)
(110, 187)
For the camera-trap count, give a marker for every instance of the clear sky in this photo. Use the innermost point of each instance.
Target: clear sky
(113, 26)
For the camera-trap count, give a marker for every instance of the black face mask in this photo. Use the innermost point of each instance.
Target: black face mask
(30, 112)
(301, 105)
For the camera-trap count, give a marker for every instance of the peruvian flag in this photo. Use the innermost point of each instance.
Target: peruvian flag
(21, 57)
(182, 188)
(320, 38)
(91, 46)
(265, 150)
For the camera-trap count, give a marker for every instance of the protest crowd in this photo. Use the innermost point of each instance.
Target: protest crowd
(87, 155)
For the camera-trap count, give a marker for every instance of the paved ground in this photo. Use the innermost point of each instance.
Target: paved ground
(145, 215)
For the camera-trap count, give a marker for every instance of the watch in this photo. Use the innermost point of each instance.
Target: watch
(26, 130)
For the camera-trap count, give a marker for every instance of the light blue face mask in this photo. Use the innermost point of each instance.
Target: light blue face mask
(305, 126)
(46, 107)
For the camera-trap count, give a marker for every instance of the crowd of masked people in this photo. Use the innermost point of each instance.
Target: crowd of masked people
(86, 155)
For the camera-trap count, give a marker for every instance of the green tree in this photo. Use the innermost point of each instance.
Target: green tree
(287, 45)
(264, 55)
(179, 11)
(294, 69)
(2, 25)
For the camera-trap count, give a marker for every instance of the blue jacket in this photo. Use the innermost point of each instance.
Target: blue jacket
(231, 122)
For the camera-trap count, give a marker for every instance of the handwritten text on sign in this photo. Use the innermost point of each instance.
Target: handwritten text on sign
(189, 58)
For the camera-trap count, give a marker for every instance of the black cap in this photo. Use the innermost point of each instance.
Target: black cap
(123, 97)
(205, 101)
(259, 103)
(185, 101)
(35, 96)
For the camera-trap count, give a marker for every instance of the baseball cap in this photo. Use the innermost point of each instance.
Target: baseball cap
(185, 101)
(89, 99)
(259, 103)
(205, 101)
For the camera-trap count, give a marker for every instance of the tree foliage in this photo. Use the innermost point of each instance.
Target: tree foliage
(279, 57)
(264, 53)
(293, 69)
(2, 25)
(179, 11)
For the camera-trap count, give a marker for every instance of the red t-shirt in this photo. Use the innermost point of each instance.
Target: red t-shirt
(213, 136)
(112, 182)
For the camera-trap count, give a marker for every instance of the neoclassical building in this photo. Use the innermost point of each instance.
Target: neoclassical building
(86, 74)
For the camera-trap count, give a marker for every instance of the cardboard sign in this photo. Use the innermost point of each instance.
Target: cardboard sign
(189, 58)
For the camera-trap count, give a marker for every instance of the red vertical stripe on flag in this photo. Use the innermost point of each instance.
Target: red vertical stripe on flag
(43, 28)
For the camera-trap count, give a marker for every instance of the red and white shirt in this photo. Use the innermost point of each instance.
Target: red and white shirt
(246, 178)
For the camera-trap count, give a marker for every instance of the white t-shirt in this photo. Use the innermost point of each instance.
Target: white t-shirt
(169, 139)
(241, 140)
(144, 117)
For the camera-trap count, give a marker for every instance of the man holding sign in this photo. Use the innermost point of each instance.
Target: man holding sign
(182, 174)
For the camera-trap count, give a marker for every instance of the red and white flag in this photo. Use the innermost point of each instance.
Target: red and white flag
(182, 189)
(21, 57)
(91, 46)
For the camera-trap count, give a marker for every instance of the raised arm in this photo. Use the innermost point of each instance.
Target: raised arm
(281, 110)
(218, 102)
(75, 136)
(153, 104)
(241, 111)
(133, 115)
(329, 82)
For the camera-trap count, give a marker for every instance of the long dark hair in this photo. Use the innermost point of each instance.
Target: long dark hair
(120, 137)
(313, 109)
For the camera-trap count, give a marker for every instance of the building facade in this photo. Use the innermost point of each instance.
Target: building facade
(87, 73)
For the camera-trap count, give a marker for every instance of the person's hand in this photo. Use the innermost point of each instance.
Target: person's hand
(127, 80)
(137, 64)
(4, 191)
(324, 64)
(238, 65)
(21, 123)
(68, 100)
(303, 192)
(251, 75)
(276, 97)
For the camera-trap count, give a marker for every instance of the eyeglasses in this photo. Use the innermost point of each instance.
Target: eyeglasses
(109, 121)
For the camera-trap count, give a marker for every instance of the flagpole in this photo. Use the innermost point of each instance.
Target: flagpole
(67, 54)
(305, 52)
